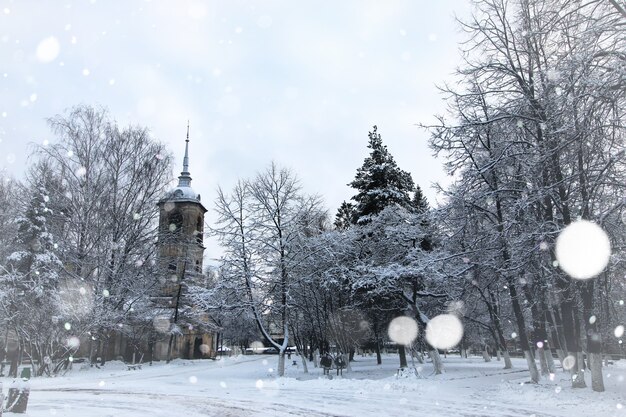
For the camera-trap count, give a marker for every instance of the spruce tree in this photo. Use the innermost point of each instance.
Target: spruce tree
(30, 286)
(380, 182)
(35, 258)
(345, 216)
(419, 202)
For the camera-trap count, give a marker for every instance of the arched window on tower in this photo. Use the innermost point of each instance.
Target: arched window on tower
(200, 229)
(175, 222)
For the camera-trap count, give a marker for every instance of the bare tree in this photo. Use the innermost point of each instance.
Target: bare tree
(533, 150)
(258, 225)
(112, 178)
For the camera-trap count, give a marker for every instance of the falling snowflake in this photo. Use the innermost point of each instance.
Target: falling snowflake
(402, 330)
(444, 331)
(48, 49)
(583, 249)
(569, 362)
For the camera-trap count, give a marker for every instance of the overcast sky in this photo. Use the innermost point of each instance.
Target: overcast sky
(297, 82)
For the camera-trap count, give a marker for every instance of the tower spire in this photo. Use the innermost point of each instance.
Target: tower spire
(184, 180)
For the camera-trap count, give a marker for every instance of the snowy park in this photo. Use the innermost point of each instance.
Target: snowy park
(313, 208)
(248, 386)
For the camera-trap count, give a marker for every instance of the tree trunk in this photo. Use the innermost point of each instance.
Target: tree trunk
(578, 380)
(560, 334)
(580, 371)
(402, 354)
(436, 358)
(14, 364)
(170, 345)
(486, 355)
(104, 347)
(549, 359)
(379, 358)
(532, 366)
(348, 364)
(281, 364)
(304, 364)
(507, 360)
(521, 327)
(543, 361)
(571, 334)
(595, 364)
(594, 339)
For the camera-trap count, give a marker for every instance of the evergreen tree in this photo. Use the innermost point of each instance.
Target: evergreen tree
(345, 216)
(30, 296)
(421, 207)
(419, 202)
(35, 259)
(391, 212)
(380, 182)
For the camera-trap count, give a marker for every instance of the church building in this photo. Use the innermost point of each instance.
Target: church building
(181, 250)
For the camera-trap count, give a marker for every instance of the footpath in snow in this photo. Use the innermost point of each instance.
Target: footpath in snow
(248, 386)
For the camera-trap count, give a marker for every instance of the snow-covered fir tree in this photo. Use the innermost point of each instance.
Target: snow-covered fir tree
(379, 182)
(30, 285)
(344, 217)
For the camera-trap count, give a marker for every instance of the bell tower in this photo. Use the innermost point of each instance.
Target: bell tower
(181, 230)
(186, 332)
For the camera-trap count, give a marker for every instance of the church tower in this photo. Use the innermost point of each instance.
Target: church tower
(181, 249)
(181, 229)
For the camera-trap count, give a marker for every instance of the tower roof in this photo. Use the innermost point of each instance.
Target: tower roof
(183, 191)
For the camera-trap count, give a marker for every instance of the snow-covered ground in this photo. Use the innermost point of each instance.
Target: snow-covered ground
(247, 386)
